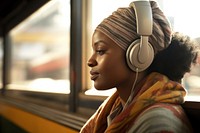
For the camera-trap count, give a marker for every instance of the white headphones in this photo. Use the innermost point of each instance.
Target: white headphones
(140, 53)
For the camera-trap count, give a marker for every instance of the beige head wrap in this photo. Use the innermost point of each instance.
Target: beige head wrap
(121, 28)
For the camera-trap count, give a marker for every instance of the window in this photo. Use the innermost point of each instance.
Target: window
(40, 50)
(184, 19)
(180, 18)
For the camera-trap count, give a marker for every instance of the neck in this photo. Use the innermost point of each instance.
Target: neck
(125, 90)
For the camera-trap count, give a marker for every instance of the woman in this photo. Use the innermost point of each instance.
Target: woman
(146, 100)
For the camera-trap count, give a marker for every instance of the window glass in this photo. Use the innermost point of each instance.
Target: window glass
(180, 18)
(40, 50)
(184, 19)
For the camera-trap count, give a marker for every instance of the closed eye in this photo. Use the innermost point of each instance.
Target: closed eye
(100, 52)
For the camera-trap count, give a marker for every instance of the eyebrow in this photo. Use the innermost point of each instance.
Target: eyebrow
(98, 42)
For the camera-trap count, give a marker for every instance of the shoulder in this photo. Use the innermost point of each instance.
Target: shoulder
(161, 118)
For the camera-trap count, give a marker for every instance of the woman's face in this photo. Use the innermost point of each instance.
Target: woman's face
(108, 63)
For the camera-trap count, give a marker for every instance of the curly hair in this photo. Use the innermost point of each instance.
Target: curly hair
(177, 59)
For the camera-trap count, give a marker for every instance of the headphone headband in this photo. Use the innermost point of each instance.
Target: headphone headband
(140, 53)
(143, 15)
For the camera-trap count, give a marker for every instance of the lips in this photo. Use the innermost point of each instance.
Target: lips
(94, 75)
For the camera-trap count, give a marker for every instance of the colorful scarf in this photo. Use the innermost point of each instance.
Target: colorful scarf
(156, 88)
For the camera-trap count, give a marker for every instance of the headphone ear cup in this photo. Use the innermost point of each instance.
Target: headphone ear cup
(132, 56)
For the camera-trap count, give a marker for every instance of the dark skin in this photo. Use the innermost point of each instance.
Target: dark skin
(109, 68)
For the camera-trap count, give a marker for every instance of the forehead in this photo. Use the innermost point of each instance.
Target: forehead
(98, 36)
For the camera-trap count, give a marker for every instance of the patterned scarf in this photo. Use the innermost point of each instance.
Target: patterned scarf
(156, 88)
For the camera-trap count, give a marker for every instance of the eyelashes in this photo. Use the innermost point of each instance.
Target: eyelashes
(100, 52)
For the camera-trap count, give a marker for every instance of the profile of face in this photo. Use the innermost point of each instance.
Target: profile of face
(107, 63)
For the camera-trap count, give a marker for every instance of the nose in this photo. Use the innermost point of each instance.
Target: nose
(91, 62)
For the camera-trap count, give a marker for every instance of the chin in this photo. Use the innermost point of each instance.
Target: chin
(98, 87)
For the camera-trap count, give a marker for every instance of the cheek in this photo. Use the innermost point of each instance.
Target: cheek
(112, 73)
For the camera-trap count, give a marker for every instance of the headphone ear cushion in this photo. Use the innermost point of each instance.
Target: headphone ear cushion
(132, 56)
